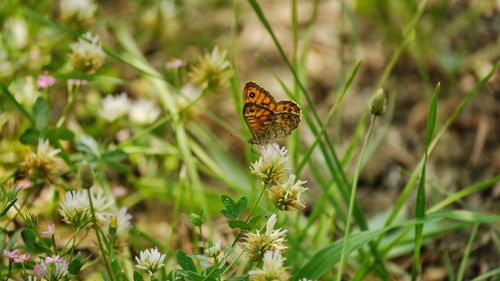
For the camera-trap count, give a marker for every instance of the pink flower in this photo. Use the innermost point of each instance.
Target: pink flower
(22, 258)
(53, 259)
(176, 63)
(23, 183)
(38, 270)
(44, 81)
(50, 230)
(10, 254)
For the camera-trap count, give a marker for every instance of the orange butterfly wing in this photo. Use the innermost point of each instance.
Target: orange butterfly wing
(256, 116)
(266, 119)
(258, 95)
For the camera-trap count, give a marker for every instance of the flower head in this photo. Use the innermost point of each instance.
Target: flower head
(21, 258)
(150, 260)
(51, 229)
(44, 81)
(43, 163)
(79, 12)
(114, 107)
(212, 70)
(52, 269)
(259, 243)
(10, 254)
(143, 112)
(75, 208)
(272, 166)
(287, 196)
(122, 221)
(214, 250)
(87, 55)
(272, 268)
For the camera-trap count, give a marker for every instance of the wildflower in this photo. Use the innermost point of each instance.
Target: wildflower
(87, 55)
(175, 63)
(75, 208)
(23, 183)
(212, 70)
(52, 269)
(53, 259)
(123, 218)
(10, 254)
(44, 81)
(114, 107)
(21, 258)
(43, 163)
(214, 250)
(51, 229)
(79, 12)
(150, 260)
(272, 268)
(287, 196)
(143, 112)
(272, 165)
(378, 104)
(259, 243)
(103, 206)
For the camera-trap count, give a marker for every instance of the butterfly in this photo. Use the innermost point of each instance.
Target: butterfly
(267, 119)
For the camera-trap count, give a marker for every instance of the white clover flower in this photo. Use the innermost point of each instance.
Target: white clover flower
(287, 196)
(212, 70)
(123, 221)
(150, 260)
(103, 205)
(272, 166)
(87, 55)
(272, 268)
(259, 243)
(43, 163)
(214, 251)
(16, 32)
(144, 112)
(45, 150)
(52, 269)
(75, 208)
(114, 107)
(82, 11)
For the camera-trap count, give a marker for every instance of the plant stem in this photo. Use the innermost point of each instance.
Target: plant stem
(101, 248)
(352, 200)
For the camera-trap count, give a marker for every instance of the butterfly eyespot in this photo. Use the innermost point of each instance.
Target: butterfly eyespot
(252, 110)
(252, 95)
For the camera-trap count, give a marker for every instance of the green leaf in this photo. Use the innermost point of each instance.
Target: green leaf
(75, 266)
(238, 224)
(228, 202)
(41, 114)
(431, 118)
(254, 221)
(116, 155)
(185, 261)
(61, 134)
(137, 276)
(241, 205)
(30, 136)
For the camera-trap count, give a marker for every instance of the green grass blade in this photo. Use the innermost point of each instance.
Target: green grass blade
(463, 263)
(325, 259)
(408, 189)
(420, 204)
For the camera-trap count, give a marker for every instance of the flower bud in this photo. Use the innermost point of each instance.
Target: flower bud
(378, 104)
(86, 175)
